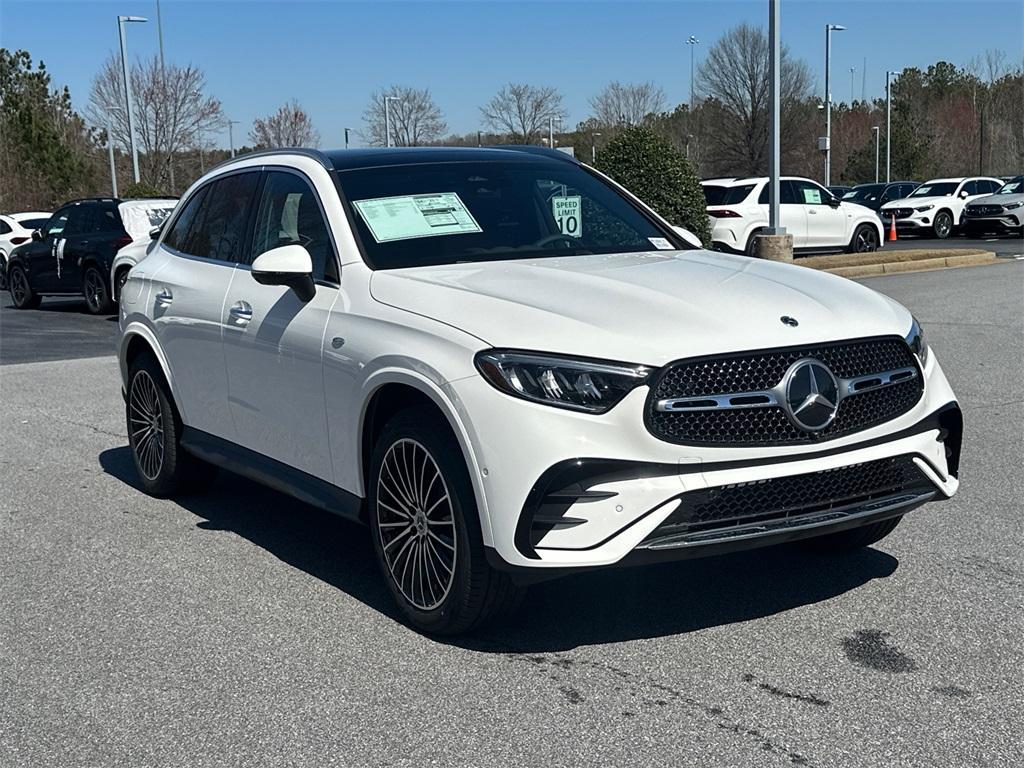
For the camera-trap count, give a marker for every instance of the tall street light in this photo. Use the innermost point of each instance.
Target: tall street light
(876, 131)
(121, 20)
(387, 117)
(346, 137)
(693, 42)
(774, 122)
(888, 124)
(853, 71)
(829, 29)
(231, 135)
(593, 147)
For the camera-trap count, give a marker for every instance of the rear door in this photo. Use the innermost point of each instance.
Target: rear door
(79, 238)
(273, 341)
(203, 244)
(791, 212)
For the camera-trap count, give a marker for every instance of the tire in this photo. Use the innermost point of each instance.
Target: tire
(96, 292)
(21, 290)
(942, 227)
(433, 560)
(3, 271)
(119, 281)
(864, 240)
(852, 538)
(751, 249)
(154, 434)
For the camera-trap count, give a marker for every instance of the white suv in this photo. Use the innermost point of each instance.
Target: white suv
(937, 207)
(818, 221)
(508, 367)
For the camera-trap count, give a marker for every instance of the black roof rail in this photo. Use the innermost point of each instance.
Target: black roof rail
(314, 154)
(535, 149)
(77, 200)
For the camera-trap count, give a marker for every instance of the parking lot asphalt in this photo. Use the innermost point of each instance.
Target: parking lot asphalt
(61, 329)
(241, 627)
(1006, 246)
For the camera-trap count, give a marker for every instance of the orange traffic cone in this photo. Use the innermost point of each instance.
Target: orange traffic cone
(892, 230)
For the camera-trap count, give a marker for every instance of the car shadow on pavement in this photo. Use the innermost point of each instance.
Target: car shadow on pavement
(603, 606)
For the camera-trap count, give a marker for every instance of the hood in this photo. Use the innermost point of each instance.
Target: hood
(914, 202)
(1009, 199)
(647, 308)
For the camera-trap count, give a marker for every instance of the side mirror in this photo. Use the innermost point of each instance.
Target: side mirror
(288, 265)
(834, 202)
(154, 233)
(963, 194)
(688, 236)
(37, 234)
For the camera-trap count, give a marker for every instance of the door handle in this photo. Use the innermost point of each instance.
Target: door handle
(240, 312)
(164, 298)
(812, 211)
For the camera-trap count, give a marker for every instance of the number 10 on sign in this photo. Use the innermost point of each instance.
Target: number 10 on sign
(566, 211)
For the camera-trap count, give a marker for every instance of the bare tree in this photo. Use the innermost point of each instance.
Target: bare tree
(171, 111)
(290, 126)
(415, 118)
(735, 77)
(627, 103)
(524, 111)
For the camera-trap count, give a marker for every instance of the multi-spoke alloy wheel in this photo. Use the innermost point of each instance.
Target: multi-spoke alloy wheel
(416, 525)
(21, 291)
(146, 422)
(94, 287)
(866, 240)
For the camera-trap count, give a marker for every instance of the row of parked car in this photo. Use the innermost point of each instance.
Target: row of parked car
(85, 248)
(854, 219)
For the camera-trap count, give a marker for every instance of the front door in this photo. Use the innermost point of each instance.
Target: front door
(826, 226)
(273, 341)
(43, 256)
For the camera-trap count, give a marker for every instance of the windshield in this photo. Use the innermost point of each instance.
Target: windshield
(459, 212)
(867, 193)
(1012, 187)
(935, 189)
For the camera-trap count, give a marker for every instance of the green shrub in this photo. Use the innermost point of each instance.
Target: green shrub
(141, 189)
(657, 173)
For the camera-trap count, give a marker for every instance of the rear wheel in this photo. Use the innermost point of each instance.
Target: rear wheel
(865, 240)
(119, 281)
(3, 271)
(21, 292)
(426, 529)
(942, 227)
(154, 433)
(853, 538)
(97, 296)
(751, 249)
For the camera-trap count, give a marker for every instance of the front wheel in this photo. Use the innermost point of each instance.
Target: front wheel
(97, 296)
(426, 530)
(943, 225)
(865, 240)
(852, 538)
(21, 292)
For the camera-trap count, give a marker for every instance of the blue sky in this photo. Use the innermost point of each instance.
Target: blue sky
(331, 55)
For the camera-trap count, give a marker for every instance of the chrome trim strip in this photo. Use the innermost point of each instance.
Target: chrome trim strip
(813, 520)
(774, 396)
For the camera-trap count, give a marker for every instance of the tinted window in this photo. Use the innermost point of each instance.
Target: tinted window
(971, 188)
(101, 219)
(444, 213)
(4, 228)
(33, 223)
(988, 187)
(733, 195)
(289, 214)
(713, 193)
(866, 193)
(810, 194)
(56, 223)
(935, 189)
(217, 229)
(177, 236)
(787, 193)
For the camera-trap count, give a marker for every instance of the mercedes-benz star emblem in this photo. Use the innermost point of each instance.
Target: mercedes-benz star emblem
(790, 321)
(812, 395)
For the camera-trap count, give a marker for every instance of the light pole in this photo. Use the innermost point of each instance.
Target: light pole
(121, 20)
(693, 42)
(888, 124)
(829, 29)
(231, 135)
(853, 81)
(593, 147)
(346, 137)
(877, 132)
(110, 149)
(387, 118)
(551, 130)
(479, 138)
(774, 90)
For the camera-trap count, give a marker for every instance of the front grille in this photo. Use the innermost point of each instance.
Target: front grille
(755, 371)
(984, 210)
(899, 213)
(786, 498)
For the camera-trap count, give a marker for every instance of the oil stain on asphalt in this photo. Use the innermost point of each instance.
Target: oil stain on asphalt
(807, 698)
(870, 648)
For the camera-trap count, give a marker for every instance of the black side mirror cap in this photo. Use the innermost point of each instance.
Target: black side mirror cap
(37, 234)
(835, 202)
(154, 233)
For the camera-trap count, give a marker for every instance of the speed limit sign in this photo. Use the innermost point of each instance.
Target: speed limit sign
(566, 211)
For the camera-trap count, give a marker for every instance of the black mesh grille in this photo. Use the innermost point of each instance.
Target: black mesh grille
(899, 213)
(984, 210)
(750, 372)
(788, 497)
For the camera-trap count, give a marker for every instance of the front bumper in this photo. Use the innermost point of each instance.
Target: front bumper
(563, 490)
(1004, 223)
(917, 223)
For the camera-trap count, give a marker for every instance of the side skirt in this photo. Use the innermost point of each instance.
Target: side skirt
(272, 473)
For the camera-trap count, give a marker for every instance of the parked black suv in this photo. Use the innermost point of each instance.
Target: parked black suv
(874, 196)
(71, 254)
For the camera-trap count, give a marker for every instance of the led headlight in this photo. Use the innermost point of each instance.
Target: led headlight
(1011, 206)
(923, 208)
(917, 343)
(578, 384)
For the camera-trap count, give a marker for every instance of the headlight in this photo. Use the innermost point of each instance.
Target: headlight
(922, 208)
(916, 341)
(578, 384)
(1011, 206)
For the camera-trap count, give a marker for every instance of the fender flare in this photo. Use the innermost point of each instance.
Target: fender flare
(446, 401)
(134, 329)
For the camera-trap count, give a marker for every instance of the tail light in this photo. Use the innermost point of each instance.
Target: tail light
(121, 242)
(723, 213)
(19, 240)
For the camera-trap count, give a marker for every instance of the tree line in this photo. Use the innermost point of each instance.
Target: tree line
(946, 120)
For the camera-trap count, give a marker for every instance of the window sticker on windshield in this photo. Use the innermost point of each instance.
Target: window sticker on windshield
(812, 196)
(413, 216)
(568, 214)
(661, 243)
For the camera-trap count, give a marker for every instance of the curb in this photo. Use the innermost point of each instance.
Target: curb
(921, 265)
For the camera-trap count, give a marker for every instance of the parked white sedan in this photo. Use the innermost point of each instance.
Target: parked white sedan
(15, 229)
(818, 221)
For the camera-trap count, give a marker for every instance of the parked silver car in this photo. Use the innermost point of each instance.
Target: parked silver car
(1001, 212)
